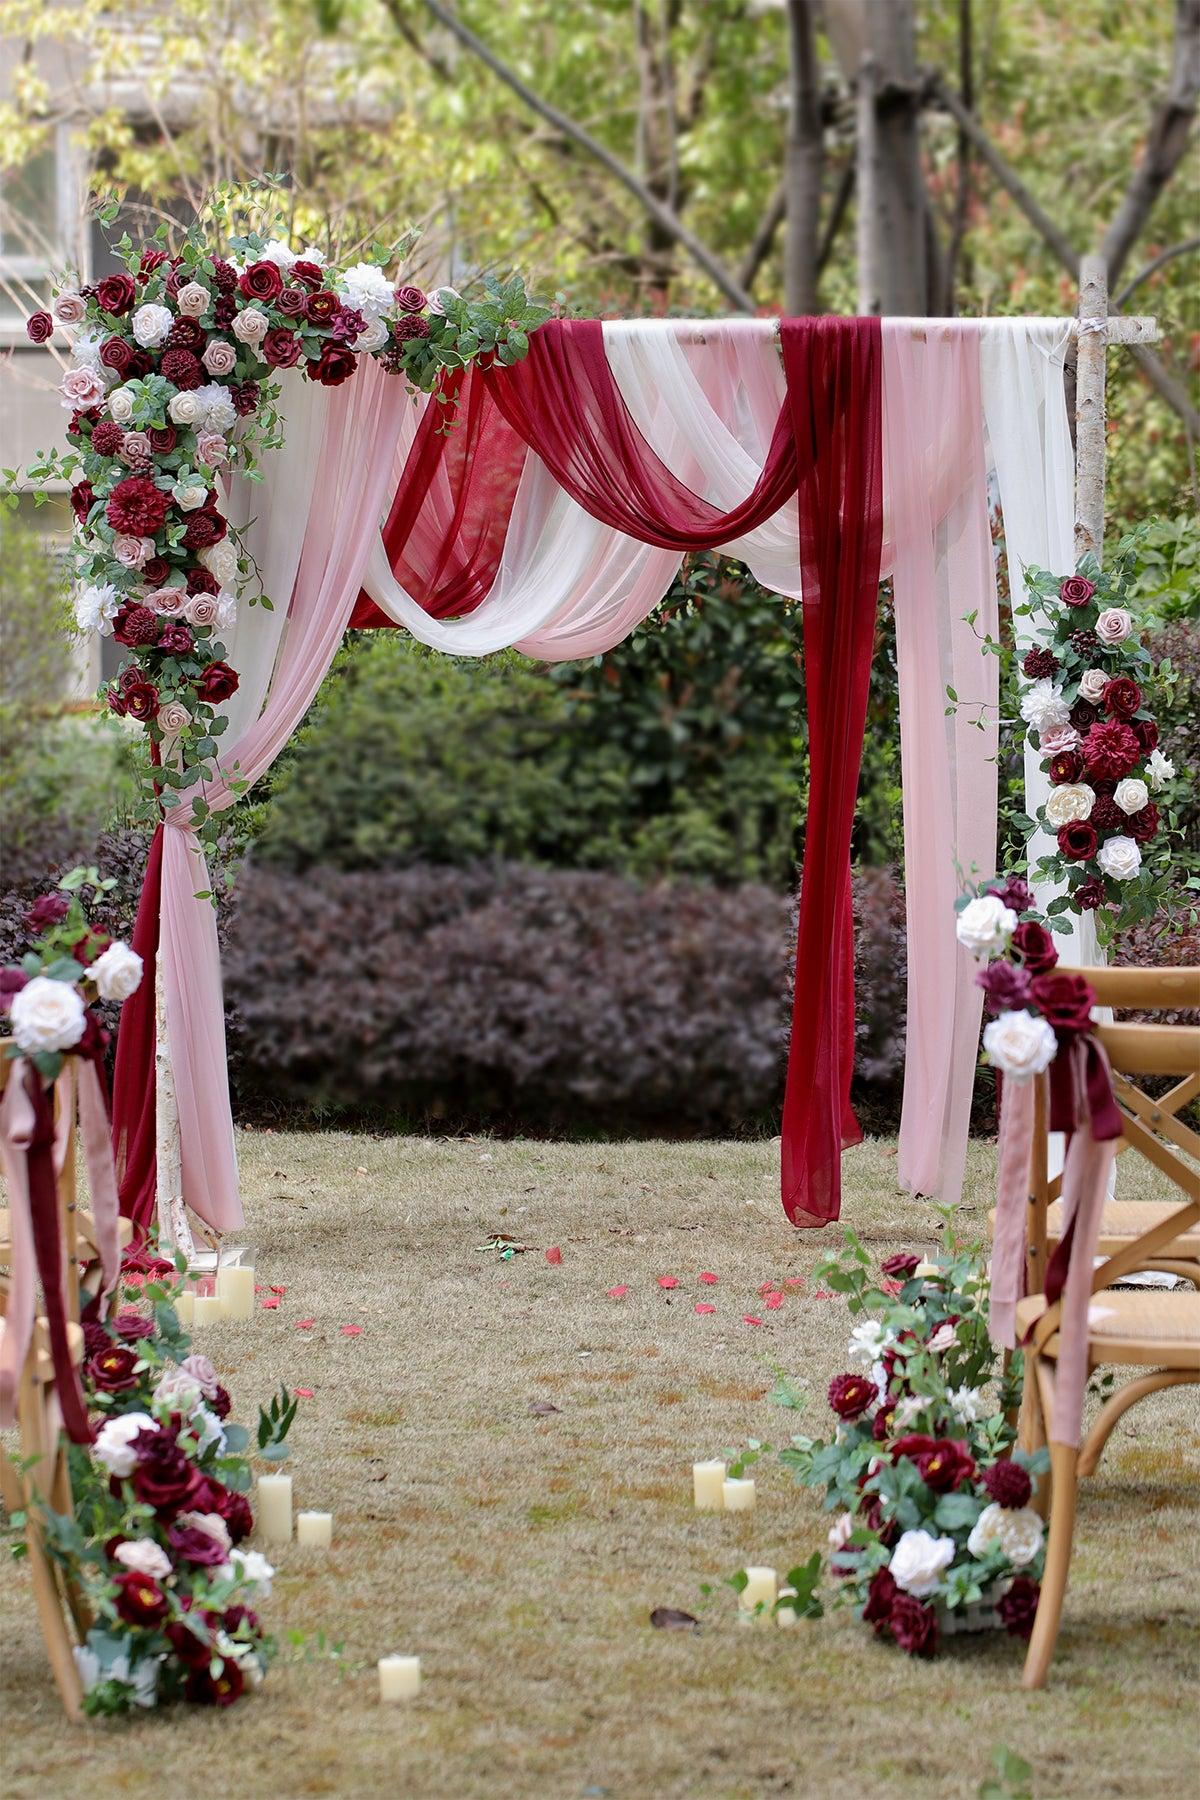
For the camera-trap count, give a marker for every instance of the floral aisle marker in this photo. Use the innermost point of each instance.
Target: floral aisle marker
(172, 384)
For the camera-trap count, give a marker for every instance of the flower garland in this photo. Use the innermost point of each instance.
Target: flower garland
(51, 995)
(933, 1522)
(173, 382)
(1085, 709)
(1032, 1008)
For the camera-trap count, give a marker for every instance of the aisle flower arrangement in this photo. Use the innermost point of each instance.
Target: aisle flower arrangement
(1084, 706)
(932, 1529)
(51, 996)
(1033, 1009)
(172, 382)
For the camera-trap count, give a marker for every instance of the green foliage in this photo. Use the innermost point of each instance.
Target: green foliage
(275, 1420)
(1013, 1779)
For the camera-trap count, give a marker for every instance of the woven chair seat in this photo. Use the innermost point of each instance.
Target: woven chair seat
(1161, 1330)
(1126, 1219)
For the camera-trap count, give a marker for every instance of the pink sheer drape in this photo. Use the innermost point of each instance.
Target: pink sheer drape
(935, 482)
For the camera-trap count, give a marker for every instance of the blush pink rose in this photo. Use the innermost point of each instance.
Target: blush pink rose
(192, 300)
(82, 389)
(1114, 625)
(167, 602)
(174, 718)
(69, 308)
(135, 447)
(220, 357)
(1057, 740)
(132, 552)
(201, 609)
(211, 447)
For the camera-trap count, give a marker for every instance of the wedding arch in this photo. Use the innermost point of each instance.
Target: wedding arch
(267, 451)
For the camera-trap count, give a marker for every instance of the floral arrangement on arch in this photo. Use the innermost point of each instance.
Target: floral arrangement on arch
(157, 1541)
(932, 1532)
(172, 382)
(1085, 708)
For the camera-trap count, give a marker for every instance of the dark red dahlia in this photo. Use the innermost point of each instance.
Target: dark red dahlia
(1017, 1609)
(183, 368)
(224, 275)
(1077, 841)
(409, 327)
(850, 1395)
(116, 294)
(107, 438)
(141, 701)
(137, 507)
(203, 528)
(1066, 767)
(1111, 749)
(1106, 815)
(176, 639)
(136, 625)
(139, 1600)
(38, 327)
(185, 334)
(1122, 697)
(336, 365)
(83, 498)
(1039, 664)
(308, 275)
(881, 1597)
(199, 581)
(114, 1371)
(217, 683)
(261, 281)
(1143, 825)
(1008, 1483)
(914, 1626)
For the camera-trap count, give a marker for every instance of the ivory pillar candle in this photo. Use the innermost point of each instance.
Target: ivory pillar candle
(314, 1528)
(235, 1291)
(708, 1480)
(274, 1509)
(206, 1309)
(787, 1616)
(761, 1589)
(738, 1495)
(185, 1307)
(399, 1677)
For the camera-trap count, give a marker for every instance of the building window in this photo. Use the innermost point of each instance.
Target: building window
(40, 233)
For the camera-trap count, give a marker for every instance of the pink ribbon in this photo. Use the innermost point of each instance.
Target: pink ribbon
(95, 1136)
(1012, 1203)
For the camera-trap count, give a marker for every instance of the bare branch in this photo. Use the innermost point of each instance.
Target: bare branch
(1170, 134)
(1152, 268)
(764, 237)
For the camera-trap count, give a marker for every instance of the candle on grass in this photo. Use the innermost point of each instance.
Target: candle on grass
(315, 1528)
(708, 1480)
(206, 1309)
(235, 1291)
(275, 1507)
(787, 1616)
(760, 1589)
(738, 1495)
(185, 1307)
(399, 1677)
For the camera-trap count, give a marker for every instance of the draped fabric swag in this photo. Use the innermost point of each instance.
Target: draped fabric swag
(548, 507)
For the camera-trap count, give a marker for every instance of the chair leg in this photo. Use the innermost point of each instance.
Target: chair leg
(1064, 1459)
(63, 1501)
(1031, 1432)
(1119, 1403)
(38, 1434)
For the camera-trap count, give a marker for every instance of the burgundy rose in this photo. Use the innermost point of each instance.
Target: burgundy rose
(233, 1507)
(202, 1687)
(202, 529)
(1008, 1483)
(132, 1326)
(224, 311)
(1065, 1001)
(948, 1467)
(116, 294)
(1106, 815)
(116, 702)
(114, 1370)
(281, 349)
(79, 419)
(155, 570)
(292, 303)
(134, 625)
(192, 1650)
(224, 275)
(850, 1395)
(1076, 590)
(411, 299)
(914, 1626)
(244, 398)
(900, 1266)
(141, 701)
(137, 507)
(183, 368)
(1083, 714)
(192, 1545)
(234, 1617)
(140, 364)
(139, 1600)
(151, 260)
(219, 1403)
(217, 683)
(38, 327)
(308, 275)
(1077, 841)
(1122, 697)
(129, 677)
(1005, 986)
(1036, 947)
(1015, 893)
(1089, 896)
(881, 1597)
(201, 581)
(176, 639)
(175, 278)
(1144, 730)
(185, 334)
(1017, 1609)
(107, 438)
(47, 910)
(261, 281)
(163, 1478)
(1067, 766)
(92, 944)
(116, 354)
(1111, 749)
(336, 364)
(1143, 825)
(405, 329)
(321, 306)
(163, 438)
(83, 498)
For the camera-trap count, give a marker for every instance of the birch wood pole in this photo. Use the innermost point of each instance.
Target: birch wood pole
(1090, 413)
(174, 1232)
(867, 172)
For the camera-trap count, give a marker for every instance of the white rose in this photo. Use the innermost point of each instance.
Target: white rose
(279, 253)
(250, 325)
(144, 1557)
(1016, 1530)
(1093, 683)
(96, 607)
(47, 1015)
(185, 409)
(1074, 800)
(254, 1569)
(1160, 769)
(114, 1439)
(841, 1531)
(868, 1341)
(193, 300)
(968, 1405)
(1019, 1044)
(189, 495)
(118, 973)
(220, 560)
(219, 411)
(151, 324)
(1131, 794)
(985, 925)
(212, 1524)
(1043, 707)
(368, 289)
(374, 337)
(919, 1561)
(120, 406)
(226, 610)
(1119, 858)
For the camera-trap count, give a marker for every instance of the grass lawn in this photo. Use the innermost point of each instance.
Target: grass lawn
(520, 1550)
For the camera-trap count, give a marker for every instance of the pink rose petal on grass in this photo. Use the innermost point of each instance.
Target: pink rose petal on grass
(708, 1280)
(822, 1294)
(749, 1319)
(795, 1282)
(350, 1330)
(278, 1290)
(702, 1306)
(773, 1302)
(304, 1393)
(305, 1324)
(617, 1293)
(270, 1305)
(554, 1255)
(667, 1281)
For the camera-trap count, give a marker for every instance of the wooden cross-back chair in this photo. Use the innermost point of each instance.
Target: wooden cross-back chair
(38, 1475)
(1149, 1328)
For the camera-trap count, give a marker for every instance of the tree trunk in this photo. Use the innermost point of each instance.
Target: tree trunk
(803, 164)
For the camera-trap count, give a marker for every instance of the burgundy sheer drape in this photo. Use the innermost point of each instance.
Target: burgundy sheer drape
(133, 1118)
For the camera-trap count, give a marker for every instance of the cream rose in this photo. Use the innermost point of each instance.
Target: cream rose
(47, 1015)
(173, 718)
(374, 337)
(120, 406)
(178, 1391)
(188, 495)
(114, 1438)
(253, 1568)
(118, 972)
(1131, 794)
(985, 925)
(81, 389)
(185, 409)
(151, 324)
(1114, 625)
(144, 1557)
(250, 326)
(1074, 800)
(192, 300)
(1092, 684)
(1016, 1530)
(919, 1561)
(136, 447)
(1119, 858)
(1019, 1044)
(69, 308)
(220, 560)
(203, 1370)
(220, 358)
